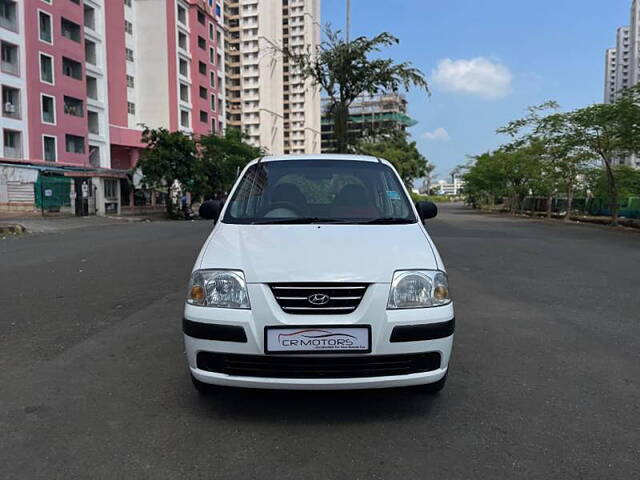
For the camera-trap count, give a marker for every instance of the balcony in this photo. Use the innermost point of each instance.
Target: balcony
(70, 30)
(11, 102)
(10, 59)
(12, 144)
(94, 156)
(73, 107)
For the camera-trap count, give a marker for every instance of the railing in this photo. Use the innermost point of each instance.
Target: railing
(94, 158)
(11, 67)
(12, 152)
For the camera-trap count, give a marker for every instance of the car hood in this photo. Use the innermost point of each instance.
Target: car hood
(318, 253)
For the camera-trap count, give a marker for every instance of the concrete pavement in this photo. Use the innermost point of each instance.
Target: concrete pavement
(545, 379)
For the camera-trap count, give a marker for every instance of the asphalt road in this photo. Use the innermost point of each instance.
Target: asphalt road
(544, 382)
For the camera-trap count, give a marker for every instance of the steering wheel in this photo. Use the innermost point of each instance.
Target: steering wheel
(283, 205)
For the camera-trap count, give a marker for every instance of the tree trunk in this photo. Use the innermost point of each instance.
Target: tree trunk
(567, 215)
(549, 204)
(341, 127)
(613, 193)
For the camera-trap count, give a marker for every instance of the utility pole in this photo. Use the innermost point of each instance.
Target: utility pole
(348, 26)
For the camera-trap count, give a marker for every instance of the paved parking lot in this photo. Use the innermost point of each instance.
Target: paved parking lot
(545, 379)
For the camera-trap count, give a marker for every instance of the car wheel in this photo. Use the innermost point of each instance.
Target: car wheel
(204, 388)
(435, 387)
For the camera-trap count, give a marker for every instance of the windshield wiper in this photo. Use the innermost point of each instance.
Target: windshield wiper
(297, 221)
(387, 221)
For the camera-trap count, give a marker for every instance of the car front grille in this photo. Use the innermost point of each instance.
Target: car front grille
(309, 298)
(267, 366)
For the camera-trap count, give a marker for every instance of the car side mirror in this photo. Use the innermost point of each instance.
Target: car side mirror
(426, 210)
(210, 210)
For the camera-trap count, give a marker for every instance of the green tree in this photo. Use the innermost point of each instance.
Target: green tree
(345, 70)
(402, 153)
(168, 156)
(221, 158)
(484, 180)
(562, 158)
(608, 132)
(627, 181)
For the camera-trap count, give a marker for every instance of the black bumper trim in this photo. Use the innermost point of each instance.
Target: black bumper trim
(212, 331)
(419, 333)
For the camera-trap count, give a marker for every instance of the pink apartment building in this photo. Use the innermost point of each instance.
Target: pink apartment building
(80, 78)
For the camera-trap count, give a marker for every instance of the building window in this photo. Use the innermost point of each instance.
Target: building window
(48, 109)
(45, 27)
(183, 67)
(92, 88)
(12, 143)
(49, 148)
(212, 55)
(74, 144)
(202, 43)
(213, 125)
(130, 81)
(8, 15)
(212, 79)
(211, 32)
(131, 108)
(203, 93)
(220, 105)
(127, 3)
(129, 54)
(182, 41)
(93, 121)
(204, 117)
(46, 69)
(201, 18)
(213, 102)
(90, 52)
(94, 155)
(202, 68)
(70, 30)
(10, 58)
(184, 118)
(73, 106)
(71, 68)
(11, 107)
(182, 15)
(184, 93)
(219, 38)
(89, 17)
(128, 27)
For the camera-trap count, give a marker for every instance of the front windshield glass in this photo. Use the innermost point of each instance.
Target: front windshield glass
(319, 191)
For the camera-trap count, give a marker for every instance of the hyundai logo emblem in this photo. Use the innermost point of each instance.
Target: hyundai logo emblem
(318, 299)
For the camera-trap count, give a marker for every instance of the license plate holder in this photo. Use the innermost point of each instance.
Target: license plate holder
(317, 339)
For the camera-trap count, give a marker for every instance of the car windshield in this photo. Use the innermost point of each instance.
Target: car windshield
(319, 191)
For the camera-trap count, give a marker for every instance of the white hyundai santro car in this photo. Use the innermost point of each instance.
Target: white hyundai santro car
(318, 274)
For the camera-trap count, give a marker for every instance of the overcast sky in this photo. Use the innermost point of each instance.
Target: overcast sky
(487, 60)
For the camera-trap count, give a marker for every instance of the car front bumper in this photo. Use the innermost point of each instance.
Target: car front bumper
(394, 333)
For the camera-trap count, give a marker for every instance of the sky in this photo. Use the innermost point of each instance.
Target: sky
(487, 60)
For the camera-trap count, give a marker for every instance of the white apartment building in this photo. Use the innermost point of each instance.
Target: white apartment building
(623, 52)
(610, 75)
(266, 97)
(622, 65)
(13, 119)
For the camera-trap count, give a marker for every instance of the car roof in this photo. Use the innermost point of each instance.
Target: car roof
(321, 156)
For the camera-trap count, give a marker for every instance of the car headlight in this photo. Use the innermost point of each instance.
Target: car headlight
(218, 288)
(418, 289)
